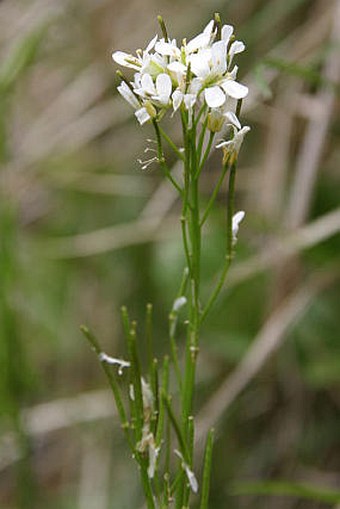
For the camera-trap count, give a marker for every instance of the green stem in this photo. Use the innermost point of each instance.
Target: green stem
(149, 334)
(186, 204)
(150, 502)
(214, 194)
(162, 161)
(194, 313)
(230, 251)
(112, 382)
(200, 113)
(154, 383)
(173, 320)
(206, 154)
(201, 138)
(207, 470)
(164, 395)
(177, 429)
(171, 143)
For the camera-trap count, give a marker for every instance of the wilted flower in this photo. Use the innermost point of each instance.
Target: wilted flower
(237, 218)
(179, 303)
(103, 357)
(231, 148)
(189, 473)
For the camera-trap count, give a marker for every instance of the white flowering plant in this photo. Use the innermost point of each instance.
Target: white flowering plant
(196, 80)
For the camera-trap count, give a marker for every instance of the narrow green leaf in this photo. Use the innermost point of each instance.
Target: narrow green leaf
(207, 470)
(112, 381)
(177, 429)
(20, 59)
(164, 392)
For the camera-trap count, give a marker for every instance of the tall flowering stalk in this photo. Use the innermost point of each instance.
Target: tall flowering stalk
(196, 80)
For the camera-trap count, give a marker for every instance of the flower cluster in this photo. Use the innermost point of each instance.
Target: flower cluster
(197, 73)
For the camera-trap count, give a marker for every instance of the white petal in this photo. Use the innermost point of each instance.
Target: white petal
(230, 115)
(236, 47)
(137, 80)
(142, 116)
(214, 97)
(233, 72)
(177, 67)
(237, 218)
(167, 49)
(209, 28)
(164, 87)
(224, 144)
(120, 57)
(219, 57)
(126, 60)
(234, 89)
(177, 98)
(189, 100)
(195, 86)
(147, 84)
(128, 95)
(200, 41)
(151, 44)
(199, 63)
(226, 33)
(163, 47)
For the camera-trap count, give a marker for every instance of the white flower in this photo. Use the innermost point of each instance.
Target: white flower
(237, 218)
(210, 66)
(232, 147)
(131, 61)
(169, 49)
(189, 473)
(217, 117)
(169, 75)
(103, 357)
(159, 92)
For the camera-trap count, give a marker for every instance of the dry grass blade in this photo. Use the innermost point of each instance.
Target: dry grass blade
(267, 341)
(310, 155)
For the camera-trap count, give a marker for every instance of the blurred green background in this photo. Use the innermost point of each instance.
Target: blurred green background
(84, 230)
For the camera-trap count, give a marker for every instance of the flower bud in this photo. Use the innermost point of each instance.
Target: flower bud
(215, 121)
(150, 109)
